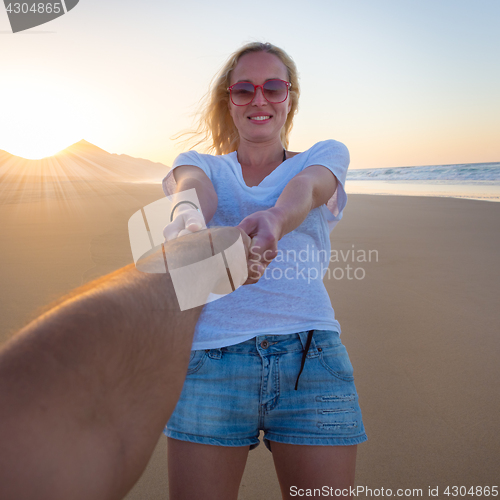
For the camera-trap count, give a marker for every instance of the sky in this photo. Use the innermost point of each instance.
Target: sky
(400, 82)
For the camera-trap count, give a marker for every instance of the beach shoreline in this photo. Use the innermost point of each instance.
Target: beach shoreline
(478, 190)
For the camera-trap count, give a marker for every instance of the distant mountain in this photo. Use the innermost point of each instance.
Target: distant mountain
(81, 161)
(82, 147)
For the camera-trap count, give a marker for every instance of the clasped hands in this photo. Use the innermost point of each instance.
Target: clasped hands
(260, 232)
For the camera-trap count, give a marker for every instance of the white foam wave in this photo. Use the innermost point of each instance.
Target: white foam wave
(468, 172)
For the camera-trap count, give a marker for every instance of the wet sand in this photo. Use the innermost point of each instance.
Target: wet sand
(420, 322)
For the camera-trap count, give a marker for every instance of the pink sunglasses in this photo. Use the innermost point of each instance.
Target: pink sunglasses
(274, 91)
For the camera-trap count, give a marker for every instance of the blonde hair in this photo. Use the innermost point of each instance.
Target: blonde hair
(215, 125)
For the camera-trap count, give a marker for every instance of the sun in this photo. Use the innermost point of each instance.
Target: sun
(40, 116)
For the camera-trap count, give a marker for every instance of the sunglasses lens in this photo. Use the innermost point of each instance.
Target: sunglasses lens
(275, 91)
(242, 93)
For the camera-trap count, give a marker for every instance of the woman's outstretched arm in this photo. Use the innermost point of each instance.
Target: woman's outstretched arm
(86, 389)
(186, 218)
(309, 189)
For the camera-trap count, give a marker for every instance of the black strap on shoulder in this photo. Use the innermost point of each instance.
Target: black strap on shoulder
(306, 350)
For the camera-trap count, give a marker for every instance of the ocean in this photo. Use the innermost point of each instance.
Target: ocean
(476, 181)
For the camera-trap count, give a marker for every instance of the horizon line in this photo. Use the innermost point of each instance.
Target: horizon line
(124, 154)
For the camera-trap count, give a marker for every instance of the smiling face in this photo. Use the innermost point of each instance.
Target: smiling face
(257, 68)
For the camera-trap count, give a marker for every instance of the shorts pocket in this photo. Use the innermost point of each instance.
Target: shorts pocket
(337, 362)
(196, 360)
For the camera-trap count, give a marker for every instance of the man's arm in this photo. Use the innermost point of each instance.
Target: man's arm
(86, 389)
(309, 189)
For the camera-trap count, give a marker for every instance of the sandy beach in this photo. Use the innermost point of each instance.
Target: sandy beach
(420, 320)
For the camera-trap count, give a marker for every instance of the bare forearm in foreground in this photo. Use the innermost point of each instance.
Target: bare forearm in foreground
(86, 389)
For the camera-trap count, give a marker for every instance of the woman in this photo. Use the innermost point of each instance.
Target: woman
(251, 346)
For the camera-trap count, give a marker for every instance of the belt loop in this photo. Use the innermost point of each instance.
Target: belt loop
(306, 349)
(215, 353)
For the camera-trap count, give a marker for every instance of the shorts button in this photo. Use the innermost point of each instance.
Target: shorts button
(264, 344)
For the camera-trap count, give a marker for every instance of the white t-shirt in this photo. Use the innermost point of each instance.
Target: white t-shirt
(290, 297)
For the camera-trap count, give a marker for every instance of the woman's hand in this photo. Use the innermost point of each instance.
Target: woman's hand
(187, 220)
(265, 229)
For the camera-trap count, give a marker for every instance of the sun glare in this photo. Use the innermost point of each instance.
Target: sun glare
(40, 116)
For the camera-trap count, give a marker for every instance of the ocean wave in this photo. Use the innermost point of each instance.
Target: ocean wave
(461, 172)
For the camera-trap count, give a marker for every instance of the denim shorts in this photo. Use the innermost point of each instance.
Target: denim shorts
(232, 393)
